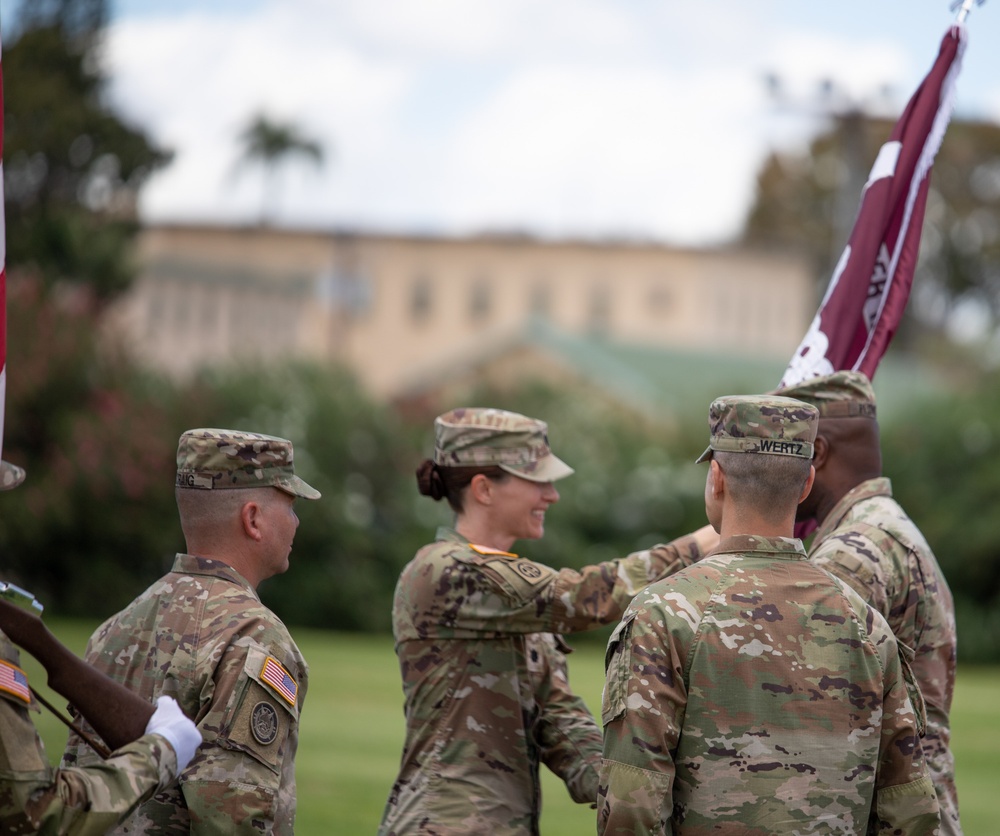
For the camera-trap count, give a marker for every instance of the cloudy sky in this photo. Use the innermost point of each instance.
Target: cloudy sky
(558, 117)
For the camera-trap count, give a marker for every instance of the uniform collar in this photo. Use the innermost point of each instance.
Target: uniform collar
(189, 564)
(449, 535)
(879, 486)
(777, 546)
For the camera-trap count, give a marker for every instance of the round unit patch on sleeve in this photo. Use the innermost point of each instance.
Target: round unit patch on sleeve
(528, 570)
(264, 723)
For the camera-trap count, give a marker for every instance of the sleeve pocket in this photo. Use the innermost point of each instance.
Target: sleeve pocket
(617, 667)
(261, 716)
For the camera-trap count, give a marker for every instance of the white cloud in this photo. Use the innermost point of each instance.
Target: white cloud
(569, 116)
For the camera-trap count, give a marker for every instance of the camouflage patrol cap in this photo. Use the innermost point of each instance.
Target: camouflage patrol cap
(843, 394)
(10, 475)
(210, 459)
(474, 436)
(761, 424)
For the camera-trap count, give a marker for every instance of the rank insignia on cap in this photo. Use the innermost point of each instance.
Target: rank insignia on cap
(14, 681)
(278, 678)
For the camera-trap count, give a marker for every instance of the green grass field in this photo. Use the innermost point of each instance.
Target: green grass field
(352, 732)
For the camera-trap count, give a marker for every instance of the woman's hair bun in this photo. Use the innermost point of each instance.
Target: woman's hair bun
(429, 480)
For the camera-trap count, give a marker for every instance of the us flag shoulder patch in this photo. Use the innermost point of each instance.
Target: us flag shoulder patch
(14, 681)
(278, 678)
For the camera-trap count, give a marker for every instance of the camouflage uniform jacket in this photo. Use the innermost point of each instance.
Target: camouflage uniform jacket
(201, 635)
(755, 694)
(868, 541)
(484, 679)
(89, 801)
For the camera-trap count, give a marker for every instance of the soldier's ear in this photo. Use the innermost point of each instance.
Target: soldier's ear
(250, 517)
(807, 487)
(821, 450)
(481, 489)
(717, 479)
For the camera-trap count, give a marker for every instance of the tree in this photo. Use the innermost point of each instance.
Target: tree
(93, 433)
(73, 168)
(941, 461)
(271, 145)
(798, 196)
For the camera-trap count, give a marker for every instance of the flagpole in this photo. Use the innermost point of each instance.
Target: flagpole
(963, 12)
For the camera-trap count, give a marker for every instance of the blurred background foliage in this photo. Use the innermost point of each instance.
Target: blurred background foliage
(95, 522)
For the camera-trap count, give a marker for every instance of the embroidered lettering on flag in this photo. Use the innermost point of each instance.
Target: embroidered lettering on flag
(14, 681)
(868, 291)
(278, 678)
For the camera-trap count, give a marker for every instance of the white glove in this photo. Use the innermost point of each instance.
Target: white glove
(170, 723)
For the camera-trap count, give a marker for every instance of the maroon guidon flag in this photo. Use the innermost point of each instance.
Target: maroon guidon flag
(867, 294)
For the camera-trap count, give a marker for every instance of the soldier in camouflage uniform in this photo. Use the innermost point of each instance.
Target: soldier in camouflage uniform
(866, 539)
(477, 630)
(153, 745)
(753, 693)
(201, 634)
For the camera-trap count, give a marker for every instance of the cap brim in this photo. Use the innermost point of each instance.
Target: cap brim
(704, 457)
(10, 475)
(297, 487)
(547, 469)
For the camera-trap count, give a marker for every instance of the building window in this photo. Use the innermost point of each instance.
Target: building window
(599, 310)
(181, 311)
(207, 311)
(420, 299)
(350, 292)
(659, 299)
(154, 313)
(541, 299)
(480, 299)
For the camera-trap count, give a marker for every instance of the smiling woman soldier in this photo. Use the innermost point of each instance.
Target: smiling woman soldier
(477, 632)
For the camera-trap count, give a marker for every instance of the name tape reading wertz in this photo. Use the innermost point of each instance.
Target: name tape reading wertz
(788, 448)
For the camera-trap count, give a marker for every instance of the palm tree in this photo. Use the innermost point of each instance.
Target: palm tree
(270, 145)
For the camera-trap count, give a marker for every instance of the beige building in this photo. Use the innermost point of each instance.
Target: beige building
(402, 310)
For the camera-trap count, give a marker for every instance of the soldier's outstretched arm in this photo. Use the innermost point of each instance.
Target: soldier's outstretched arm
(116, 714)
(90, 800)
(566, 732)
(490, 591)
(85, 801)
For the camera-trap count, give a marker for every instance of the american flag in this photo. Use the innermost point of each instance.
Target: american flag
(867, 294)
(278, 678)
(14, 681)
